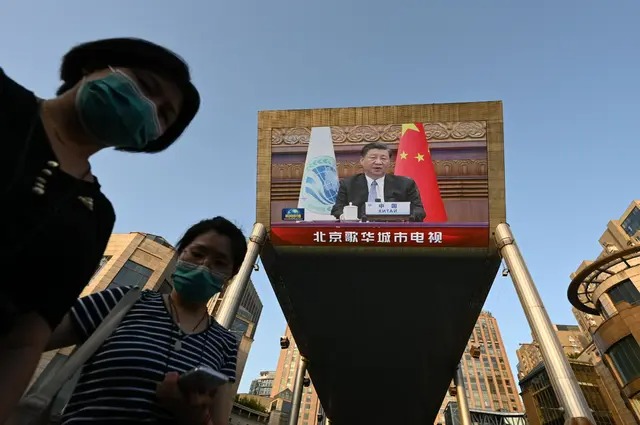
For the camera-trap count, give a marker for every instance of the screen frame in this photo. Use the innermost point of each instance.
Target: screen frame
(491, 112)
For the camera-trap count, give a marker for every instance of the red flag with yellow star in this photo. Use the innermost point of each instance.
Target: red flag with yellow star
(414, 160)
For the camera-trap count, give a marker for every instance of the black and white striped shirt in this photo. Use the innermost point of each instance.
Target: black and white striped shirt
(118, 384)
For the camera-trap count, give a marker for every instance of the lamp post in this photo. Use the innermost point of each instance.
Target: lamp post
(297, 391)
(235, 291)
(561, 375)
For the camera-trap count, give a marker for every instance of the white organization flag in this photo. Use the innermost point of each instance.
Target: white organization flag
(320, 178)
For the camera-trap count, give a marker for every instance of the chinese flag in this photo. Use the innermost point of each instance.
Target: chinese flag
(414, 160)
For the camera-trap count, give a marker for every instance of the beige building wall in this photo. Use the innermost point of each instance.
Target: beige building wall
(146, 250)
(616, 235)
(588, 323)
(615, 332)
(288, 364)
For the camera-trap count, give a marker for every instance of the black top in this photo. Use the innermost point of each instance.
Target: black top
(52, 241)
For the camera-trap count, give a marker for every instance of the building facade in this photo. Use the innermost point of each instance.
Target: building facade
(609, 287)
(263, 384)
(488, 380)
(572, 340)
(541, 402)
(285, 376)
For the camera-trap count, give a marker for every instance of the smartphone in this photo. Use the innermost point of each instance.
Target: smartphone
(201, 379)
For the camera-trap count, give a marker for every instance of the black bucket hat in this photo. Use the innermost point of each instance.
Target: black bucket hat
(135, 53)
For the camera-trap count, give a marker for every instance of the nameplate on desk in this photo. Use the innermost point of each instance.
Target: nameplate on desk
(387, 208)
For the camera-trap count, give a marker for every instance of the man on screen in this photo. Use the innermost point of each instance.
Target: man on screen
(375, 185)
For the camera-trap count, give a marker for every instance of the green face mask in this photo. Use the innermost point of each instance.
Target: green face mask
(196, 284)
(115, 112)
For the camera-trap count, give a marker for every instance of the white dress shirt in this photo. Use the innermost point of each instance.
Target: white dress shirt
(380, 181)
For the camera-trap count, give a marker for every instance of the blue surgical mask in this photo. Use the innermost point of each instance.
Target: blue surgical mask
(196, 284)
(116, 113)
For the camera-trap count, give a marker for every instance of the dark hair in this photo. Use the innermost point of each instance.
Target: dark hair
(374, 145)
(141, 54)
(224, 227)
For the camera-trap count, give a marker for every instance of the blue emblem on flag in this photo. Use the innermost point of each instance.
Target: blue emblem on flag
(320, 185)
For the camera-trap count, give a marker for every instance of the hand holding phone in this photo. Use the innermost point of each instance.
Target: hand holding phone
(201, 379)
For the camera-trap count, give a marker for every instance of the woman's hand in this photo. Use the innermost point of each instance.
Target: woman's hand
(189, 409)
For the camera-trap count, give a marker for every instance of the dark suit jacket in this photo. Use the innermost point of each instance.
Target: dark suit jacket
(354, 189)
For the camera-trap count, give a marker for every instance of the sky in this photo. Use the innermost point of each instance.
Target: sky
(567, 73)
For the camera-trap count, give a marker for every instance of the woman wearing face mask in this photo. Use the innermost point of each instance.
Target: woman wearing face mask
(132, 378)
(128, 94)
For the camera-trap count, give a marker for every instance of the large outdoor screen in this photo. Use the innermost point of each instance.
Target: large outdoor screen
(413, 183)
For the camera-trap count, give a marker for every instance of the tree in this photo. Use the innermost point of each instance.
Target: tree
(251, 403)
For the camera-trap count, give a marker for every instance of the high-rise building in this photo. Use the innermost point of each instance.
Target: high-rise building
(588, 323)
(609, 287)
(263, 384)
(284, 380)
(148, 260)
(488, 380)
(529, 356)
(571, 338)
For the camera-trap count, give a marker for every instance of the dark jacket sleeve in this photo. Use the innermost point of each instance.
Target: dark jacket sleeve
(71, 269)
(57, 246)
(413, 194)
(341, 200)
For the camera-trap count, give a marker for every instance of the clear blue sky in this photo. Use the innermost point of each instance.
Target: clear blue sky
(566, 71)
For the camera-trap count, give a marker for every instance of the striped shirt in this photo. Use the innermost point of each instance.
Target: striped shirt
(118, 384)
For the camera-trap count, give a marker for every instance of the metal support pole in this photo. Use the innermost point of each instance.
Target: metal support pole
(235, 291)
(461, 397)
(297, 391)
(563, 380)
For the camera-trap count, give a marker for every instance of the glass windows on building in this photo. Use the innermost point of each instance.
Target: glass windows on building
(631, 224)
(548, 406)
(625, 356)
(625, 291)
(131, 274)
(239, 328)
